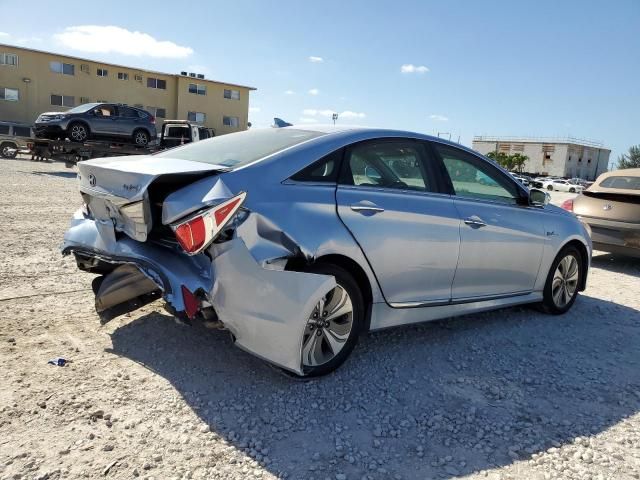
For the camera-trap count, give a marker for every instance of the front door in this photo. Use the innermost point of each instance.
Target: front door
(502, 239)
(388, 197)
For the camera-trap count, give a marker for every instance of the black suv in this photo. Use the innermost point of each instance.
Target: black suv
(93, 120)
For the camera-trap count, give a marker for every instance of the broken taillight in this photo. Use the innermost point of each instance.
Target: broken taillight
(196, 233)
(567, 205)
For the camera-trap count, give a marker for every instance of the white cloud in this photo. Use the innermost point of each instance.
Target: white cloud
(289, 92)
(112, 39)
(307, 120)
(411, 68)
(312, 112)
(4, 34)
(350, 114)
(254, 109)
(313, 59)
(314, 91)
(438, 118)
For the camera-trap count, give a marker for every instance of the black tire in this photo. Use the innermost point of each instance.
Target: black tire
(572, 190)
(4, 150)
(548, 304)
(141, 138)
(78, 132)
(347, 282)
(550, 187)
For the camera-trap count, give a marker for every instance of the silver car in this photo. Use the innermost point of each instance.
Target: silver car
(297, 240)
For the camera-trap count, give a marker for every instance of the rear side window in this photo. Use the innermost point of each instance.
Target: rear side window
(22, 131)
(324, 170)
(128, 112)
(395, 164)
(622, 182)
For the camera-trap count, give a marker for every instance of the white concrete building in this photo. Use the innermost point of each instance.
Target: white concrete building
(563, 157)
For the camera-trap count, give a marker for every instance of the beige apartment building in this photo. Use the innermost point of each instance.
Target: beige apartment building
(33, 81)
(563, 157)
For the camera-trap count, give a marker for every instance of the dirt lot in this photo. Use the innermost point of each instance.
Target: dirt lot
(513, 394)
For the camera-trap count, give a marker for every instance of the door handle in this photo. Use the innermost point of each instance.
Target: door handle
(366, 208)
(474, 222)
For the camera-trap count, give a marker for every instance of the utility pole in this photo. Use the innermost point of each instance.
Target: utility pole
(334, 117)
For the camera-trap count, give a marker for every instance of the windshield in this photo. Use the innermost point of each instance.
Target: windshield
(83, 108)
(238, 149)
(625, 183)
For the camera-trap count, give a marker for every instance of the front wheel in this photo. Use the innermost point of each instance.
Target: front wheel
(78, 132)
(572, 190)
(8, 150)
(334, 325)
(141, 138)
(563, 281)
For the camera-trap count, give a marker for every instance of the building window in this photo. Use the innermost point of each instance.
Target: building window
(9, 94)
(232, 94)
(10, 59)
(62, 100)
(580, 159)
(64, 68)
(123, 76)
(569, 157)
(197, 117)
(85, 100)
(198, 89)
(230, 121)
(589, 161)
(157, 111)
(156, 83)
(102, 72)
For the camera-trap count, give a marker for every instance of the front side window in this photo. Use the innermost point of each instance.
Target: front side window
(9, 94)
(471, 178)
(62, 100)
(22, 131)
(230, 121)
(232, 94)
(390, 164)
(63, 68)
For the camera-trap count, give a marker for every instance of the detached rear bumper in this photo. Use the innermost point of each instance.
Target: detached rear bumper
(265, 310)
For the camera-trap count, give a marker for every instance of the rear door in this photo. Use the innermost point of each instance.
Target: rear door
(390, 198)
(126, 122)
(502, 240)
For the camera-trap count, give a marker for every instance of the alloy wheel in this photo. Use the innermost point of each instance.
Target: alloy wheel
(141, 138)
(78, 133)
(565, 281)
(328, 328)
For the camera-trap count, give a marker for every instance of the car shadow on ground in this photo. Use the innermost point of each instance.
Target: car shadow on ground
(616, 263)
(63, 174)
(437, 400)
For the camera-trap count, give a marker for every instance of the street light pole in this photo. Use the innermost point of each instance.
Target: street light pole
(334, 117)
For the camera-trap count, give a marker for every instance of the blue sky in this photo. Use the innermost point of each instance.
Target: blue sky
(471, 67)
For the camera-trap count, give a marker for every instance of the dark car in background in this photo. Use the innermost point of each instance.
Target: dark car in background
(98, 120)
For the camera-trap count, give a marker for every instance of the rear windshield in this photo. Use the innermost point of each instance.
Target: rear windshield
(238, 149)
(622, 182)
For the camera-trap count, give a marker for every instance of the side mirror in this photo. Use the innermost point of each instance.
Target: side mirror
(538, 197)
(372, 174)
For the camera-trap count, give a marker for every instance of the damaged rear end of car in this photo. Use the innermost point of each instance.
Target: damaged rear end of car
(167, 228)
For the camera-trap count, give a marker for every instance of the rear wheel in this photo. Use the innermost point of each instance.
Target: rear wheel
(572, 190)
(8, 150)
(563, 281)
(141, 138)
(334, 325)
(78, 132)
(550, 187)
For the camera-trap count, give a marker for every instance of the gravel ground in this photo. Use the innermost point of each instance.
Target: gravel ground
(512, 394)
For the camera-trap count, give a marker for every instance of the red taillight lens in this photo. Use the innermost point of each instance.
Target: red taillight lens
(192, 234)
(567, 205)
(198, 232)
(153, 119)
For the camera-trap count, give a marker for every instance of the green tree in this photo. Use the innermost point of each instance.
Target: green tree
(631, 159)
(518, 160)
(509, 162)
